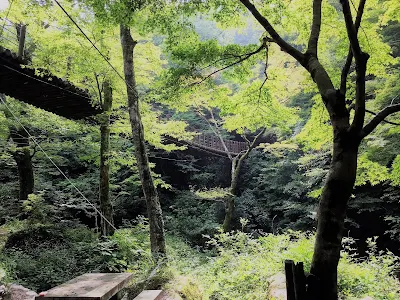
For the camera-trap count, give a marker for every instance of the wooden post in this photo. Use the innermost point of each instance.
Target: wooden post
(295, 280)
(289, 272)
(299, 281)
(21, 46)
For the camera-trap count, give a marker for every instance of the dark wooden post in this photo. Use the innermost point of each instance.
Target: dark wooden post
(295, 280)
(299, 281)
(21, 46)
(289, 271)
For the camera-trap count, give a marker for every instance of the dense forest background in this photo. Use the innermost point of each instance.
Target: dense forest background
(51, 234)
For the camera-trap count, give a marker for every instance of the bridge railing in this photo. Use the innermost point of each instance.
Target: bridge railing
(214, 143)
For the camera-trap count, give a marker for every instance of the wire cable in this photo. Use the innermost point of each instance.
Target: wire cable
(94, 46)
(6, 18)
(55, 165)
(45, 82)
(10, 41)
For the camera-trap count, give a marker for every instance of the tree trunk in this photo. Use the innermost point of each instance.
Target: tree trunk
(154, 212)
(230, 201)
(235, 172)
(105, 203)
(22, 156)
(331, 215)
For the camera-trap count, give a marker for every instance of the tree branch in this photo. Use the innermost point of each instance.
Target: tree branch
(99, 90)
(384, 120)
(216, 131)
(219, 135)
(374, 113)
(351, 31)
(346, 67)
(296, 54)
(244, 57)
(379, 117)
(361, 59)
(225, 57)
(239, 161)
(315, 28)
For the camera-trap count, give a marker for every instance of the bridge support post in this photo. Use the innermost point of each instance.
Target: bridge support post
(21, 46)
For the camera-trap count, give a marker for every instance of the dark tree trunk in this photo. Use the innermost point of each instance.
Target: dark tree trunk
(22, 156)
(105, 203)
(342, 175)
(331, 216)
(154, 212)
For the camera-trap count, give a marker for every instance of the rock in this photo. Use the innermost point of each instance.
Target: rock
(18, 292)
(3, 291)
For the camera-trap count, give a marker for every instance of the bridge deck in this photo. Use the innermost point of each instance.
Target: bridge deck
(47, 92)
(213, 143)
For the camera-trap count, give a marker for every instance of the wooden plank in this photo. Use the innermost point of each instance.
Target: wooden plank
(149, 295)
(91, 286)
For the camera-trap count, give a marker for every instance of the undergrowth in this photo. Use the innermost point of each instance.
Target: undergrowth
(235, 265)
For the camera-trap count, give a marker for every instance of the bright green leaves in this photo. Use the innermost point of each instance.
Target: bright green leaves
(253, 107)
(392, 8)
(369, 171)
(395, 174)
(317, 134)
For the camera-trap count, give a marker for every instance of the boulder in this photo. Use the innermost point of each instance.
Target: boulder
(18, 292)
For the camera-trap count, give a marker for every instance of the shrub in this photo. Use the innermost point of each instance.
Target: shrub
(192, 216)
(243, 267)
(44, 256)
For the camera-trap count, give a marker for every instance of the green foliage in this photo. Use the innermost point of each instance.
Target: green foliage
(41, 257)
(395, 174)
(274, 191)
(278, 188)
(37, 210)
(371, 172)
(243, 267)
(192, 215)
(317, 133)
(368, 276)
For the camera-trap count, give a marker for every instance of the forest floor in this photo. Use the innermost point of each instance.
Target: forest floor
(229, 265)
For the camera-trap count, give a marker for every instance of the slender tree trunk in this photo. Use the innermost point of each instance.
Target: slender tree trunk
(331, 215)
(105, 203)
(230, 201)
(154, 212)
(235, 172)
(22, 156)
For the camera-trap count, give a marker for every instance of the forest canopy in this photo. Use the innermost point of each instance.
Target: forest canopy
(230, 136)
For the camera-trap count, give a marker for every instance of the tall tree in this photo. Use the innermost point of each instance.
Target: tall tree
(347, 136)
(236, 165)
(157, 236)
(105, 202)
(21, 154)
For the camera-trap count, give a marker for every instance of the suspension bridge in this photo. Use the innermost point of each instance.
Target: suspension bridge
(35, 86)
(43, 90)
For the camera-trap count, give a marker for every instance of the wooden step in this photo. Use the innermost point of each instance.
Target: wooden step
(150, 295)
